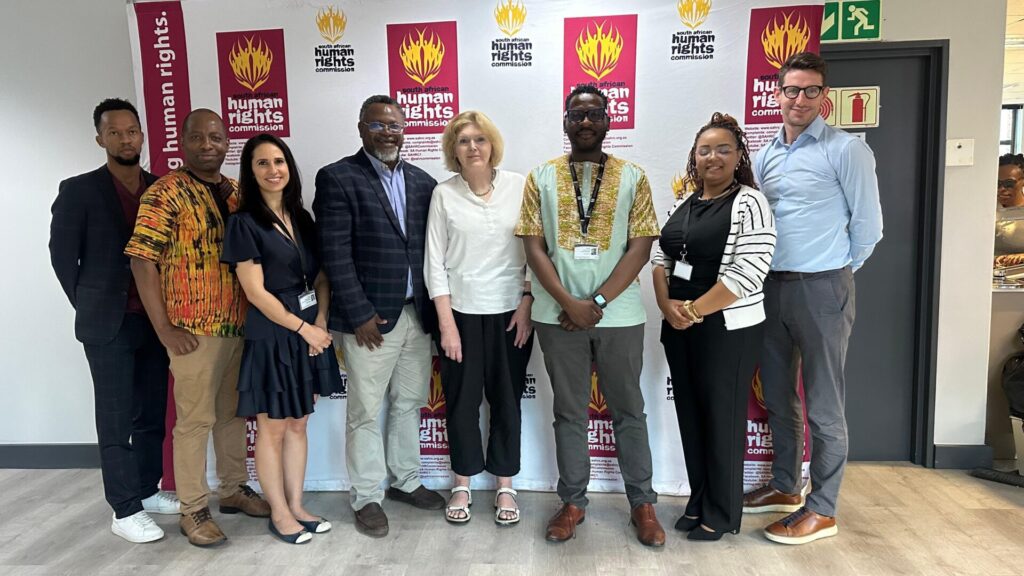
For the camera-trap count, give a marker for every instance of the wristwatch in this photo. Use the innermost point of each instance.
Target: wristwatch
(600, 301)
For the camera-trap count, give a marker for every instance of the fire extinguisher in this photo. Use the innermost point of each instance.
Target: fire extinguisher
(859, 106)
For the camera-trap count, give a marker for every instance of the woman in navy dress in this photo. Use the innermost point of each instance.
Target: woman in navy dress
(288, 359)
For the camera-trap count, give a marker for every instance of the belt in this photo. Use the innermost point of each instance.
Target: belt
(786, 276)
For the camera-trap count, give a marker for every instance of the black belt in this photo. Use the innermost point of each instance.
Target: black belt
(786, 276)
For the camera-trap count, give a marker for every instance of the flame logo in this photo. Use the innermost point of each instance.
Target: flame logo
(251, 64)
(331, 22)
(758, 388)
(422, 57)
(682, 185)
(597, 402)
(599, 51)
(780, 41)
(435, 398)
(693, 13)
(510, 17)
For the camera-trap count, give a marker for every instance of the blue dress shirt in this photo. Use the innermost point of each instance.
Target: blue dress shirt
(824, 193)
(393, 182)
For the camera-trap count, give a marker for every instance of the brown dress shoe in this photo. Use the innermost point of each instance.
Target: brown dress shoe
(768, 499)
(801, 527)
(422, 498)
(372, 521)
(200, 529)
(562, 525)
(648, 530)
(247, 501)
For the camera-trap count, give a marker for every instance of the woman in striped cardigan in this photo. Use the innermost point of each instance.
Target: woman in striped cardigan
(708, 275)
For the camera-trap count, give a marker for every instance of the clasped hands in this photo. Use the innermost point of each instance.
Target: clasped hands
(676, 315)
(580, 315)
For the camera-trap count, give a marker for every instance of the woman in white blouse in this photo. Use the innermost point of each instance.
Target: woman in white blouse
(708, 276)
(476, 274)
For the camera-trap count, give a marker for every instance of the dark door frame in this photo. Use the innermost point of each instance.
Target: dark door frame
(936, 52)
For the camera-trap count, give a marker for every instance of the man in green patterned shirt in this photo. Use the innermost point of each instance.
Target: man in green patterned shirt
(588, 222)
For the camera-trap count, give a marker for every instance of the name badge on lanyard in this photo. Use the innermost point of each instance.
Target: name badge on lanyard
(585, 250)
(307, 299)
(681, 268)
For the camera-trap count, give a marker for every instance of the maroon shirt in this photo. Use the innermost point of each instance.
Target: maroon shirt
(130, 205)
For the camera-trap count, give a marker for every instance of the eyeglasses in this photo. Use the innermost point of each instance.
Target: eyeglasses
(811, 92)
(394, 127)
(1009, 183)
(595, 115)
(723, 150)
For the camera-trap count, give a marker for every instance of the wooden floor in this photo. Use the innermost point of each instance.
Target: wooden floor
(894, 519)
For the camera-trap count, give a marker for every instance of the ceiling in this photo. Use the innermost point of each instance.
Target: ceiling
(1013, 65)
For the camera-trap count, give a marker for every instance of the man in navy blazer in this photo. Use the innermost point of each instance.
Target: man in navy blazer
(93, 218)
(371, 209)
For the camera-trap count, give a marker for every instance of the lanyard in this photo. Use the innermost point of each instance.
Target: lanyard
(688, 206)
(585, 216)
(295, 241)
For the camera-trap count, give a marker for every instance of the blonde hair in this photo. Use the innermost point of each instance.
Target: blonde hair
(458, 124)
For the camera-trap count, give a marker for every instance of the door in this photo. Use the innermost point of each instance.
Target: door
(889, 365)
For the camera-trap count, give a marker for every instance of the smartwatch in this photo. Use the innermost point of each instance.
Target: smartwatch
(600, 301)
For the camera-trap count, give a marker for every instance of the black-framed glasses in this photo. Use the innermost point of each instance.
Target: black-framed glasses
(811, 92)
(577, 115)
(394, 127)
(1009, 183)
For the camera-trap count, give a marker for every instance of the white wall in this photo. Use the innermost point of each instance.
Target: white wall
(59, 58)
(975, 92)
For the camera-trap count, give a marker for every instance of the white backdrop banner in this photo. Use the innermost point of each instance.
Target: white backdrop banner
(300, 70)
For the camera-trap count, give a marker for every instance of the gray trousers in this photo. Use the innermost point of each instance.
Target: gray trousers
(808, 318)
(618, 353)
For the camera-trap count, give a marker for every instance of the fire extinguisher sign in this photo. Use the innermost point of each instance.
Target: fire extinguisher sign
(854, 107)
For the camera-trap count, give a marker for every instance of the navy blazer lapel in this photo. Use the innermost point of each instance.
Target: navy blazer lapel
(105, 184)
(371, 175)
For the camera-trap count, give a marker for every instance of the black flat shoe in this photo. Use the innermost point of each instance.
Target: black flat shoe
(318, 526)
(685, 524)
(703, 535)
(300, 537)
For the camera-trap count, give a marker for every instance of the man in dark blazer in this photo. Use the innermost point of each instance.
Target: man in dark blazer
(93, 218)
(371, 209)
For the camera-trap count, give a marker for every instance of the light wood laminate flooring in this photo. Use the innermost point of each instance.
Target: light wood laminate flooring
(893, 519)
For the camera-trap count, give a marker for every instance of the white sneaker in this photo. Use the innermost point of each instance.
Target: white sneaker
(137, 528)
(162, 503)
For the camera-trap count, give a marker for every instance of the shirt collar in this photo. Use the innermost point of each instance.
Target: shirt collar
(814, 131)
(381, 167)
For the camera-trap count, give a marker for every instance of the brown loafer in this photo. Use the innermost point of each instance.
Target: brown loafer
(421, 498)
(648, 530)
(768, 499)
(372, 521)
(801, 527)
(562, 525)
(200, 529)
(246, 501)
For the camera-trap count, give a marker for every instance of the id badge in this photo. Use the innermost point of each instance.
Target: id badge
(307, 299)
(682, 269)
(585, 252)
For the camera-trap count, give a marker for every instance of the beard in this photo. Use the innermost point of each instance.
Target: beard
(133, 161)
(386, 156)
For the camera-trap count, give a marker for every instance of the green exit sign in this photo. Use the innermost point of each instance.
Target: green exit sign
(851, 20)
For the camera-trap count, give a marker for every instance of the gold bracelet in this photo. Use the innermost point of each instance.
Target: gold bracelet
(692, 311)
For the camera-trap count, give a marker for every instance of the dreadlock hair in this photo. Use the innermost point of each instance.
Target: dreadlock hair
(1012, 160)
(744, 174)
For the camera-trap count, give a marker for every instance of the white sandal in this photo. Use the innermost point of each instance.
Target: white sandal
(464, 509)
(513, 511)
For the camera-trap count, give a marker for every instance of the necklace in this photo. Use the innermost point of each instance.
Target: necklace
(490, 187)
(719, 195)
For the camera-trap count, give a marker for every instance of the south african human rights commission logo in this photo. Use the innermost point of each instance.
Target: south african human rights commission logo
(513, 49)
(334, 56)
(697, 42)
(253, 83)
(601, 51)
(423, 71)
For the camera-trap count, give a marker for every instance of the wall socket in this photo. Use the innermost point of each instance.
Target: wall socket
(960, 152)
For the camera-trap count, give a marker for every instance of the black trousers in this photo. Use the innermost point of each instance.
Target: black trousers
(711, 370)
(129, 377)
(494, 367)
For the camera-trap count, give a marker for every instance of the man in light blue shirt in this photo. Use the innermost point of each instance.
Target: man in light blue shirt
(821, 184)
